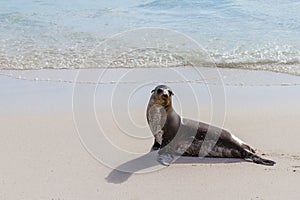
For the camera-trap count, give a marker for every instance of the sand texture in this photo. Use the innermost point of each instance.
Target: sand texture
(43, 156)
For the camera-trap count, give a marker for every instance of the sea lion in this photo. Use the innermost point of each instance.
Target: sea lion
(177, 136)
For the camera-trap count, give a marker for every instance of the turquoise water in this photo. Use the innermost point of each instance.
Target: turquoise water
(236, 34)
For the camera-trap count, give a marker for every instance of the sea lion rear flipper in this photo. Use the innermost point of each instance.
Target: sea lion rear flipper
(258, 160)
(246, 146)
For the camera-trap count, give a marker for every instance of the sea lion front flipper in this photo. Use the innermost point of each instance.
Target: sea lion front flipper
(165, 159)
(165, 156)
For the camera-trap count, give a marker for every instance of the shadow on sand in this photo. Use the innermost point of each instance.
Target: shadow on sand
(147, 163)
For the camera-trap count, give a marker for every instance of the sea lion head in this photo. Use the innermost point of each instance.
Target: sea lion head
(162, 95)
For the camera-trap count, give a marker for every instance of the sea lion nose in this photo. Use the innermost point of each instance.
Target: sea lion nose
(165, 95)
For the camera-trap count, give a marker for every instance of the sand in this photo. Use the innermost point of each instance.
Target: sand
(44, 157)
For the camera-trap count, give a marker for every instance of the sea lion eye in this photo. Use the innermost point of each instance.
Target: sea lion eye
(159, 91)
(170, 92)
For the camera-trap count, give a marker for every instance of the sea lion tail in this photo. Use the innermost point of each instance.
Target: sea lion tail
(258, 160)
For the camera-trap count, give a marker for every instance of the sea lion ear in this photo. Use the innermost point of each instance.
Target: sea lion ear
(152, 91)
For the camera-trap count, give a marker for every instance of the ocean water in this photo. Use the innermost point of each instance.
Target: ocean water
(254, 35)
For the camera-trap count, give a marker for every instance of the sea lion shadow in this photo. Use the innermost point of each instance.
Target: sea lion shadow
(206, 160)
(147, 163)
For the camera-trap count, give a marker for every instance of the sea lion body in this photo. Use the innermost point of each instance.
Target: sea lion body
(177, 136)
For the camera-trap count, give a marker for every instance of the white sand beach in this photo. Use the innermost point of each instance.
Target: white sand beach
(43, 156)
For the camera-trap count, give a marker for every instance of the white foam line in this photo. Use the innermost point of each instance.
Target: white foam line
(198, 81)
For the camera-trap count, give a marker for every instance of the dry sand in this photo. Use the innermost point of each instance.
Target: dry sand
(42, 156)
